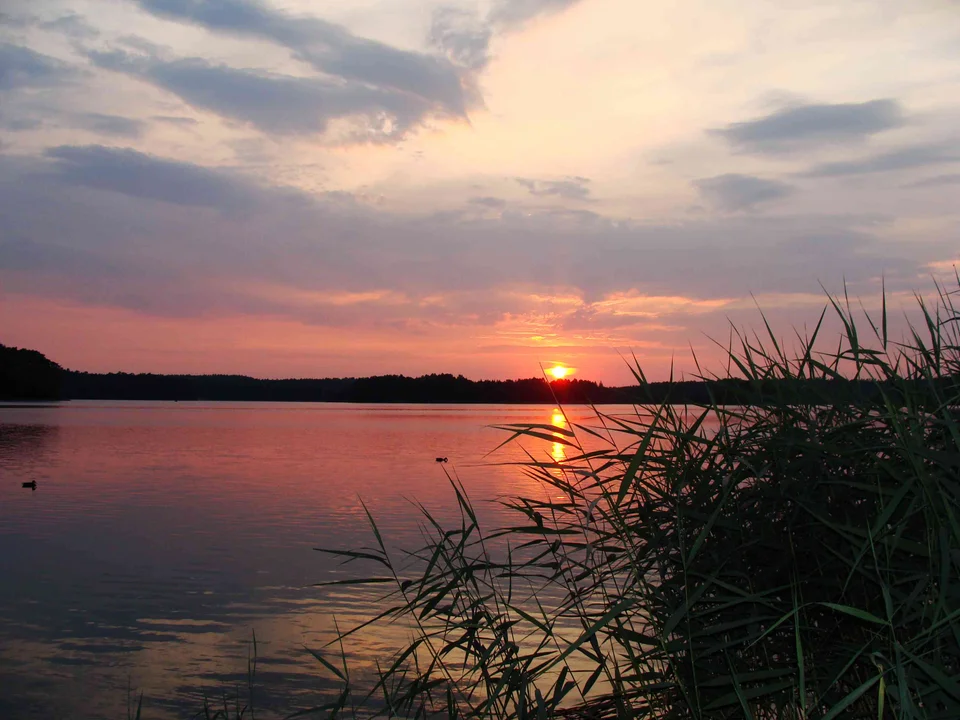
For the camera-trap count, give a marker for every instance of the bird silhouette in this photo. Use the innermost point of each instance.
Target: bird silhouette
(32, 484)
(441, 459)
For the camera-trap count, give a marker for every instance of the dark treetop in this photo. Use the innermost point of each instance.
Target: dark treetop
(28, 375)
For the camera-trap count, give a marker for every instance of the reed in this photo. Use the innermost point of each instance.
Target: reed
(796, 555)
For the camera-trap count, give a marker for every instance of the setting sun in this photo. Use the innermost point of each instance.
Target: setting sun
(559, 372)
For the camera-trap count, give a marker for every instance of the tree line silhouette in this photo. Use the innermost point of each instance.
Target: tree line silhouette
(29, 375)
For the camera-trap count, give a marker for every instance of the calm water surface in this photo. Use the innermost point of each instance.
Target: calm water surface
(161, 535)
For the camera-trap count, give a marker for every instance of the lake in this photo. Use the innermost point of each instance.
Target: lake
(161, 536)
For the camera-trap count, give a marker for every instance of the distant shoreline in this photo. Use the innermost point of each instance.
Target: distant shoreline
(437, 389)
(27, 375)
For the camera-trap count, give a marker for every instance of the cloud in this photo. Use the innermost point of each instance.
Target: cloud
(465, 38)
(112, 125)
(572, 188)
(902, 159)
(733, 192)
(13, 21)
(461, 36)
(21, 67)
(18, 122)
(138, 175)
(490, 202)
(141, 45)
(937, 181)
(330, 48)
(516, 12)
(310, 242)
(72, 25)
(176, 120)
(274, 103)
(136, 232)
(804, 125)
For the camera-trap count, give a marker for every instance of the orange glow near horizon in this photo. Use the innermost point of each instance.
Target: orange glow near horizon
(559, 372)
(107, 339)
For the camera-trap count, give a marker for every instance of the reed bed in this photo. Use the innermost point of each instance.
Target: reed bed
(796, 555)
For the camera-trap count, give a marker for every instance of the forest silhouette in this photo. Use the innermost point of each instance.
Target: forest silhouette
(29, 375)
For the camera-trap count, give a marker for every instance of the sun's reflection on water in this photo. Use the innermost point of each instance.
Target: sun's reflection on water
(558, 452)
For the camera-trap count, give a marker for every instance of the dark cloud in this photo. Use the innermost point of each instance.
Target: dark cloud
(112, 125)
(132, 173)
(937, 181)
(903, 159)
(274, 103)
(811, 124)
(21, 67)
(572, 188)
(329, 48)
(733, 192)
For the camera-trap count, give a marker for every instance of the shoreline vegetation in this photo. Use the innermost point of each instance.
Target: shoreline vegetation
(794, 559)
(27, 375)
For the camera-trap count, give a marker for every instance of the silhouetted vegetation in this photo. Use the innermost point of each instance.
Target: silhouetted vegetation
(441, 388)
(450, 389)
(28, 375)
(793, 559)
(148, 386)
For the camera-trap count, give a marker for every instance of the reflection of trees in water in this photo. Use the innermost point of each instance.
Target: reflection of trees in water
(26, 443)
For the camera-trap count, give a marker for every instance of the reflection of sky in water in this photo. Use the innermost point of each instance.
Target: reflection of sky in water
(161, 535)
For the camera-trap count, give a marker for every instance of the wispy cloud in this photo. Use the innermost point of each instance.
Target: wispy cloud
(937, 181)
(514, 12)
(489, 202)
(806, 125)
(905, 158)
(461, 36)
(330, 48)
(72, 25)
(178, 120)
(275, 103)
(19, 122)
(571, 188)
(132, 173)
(734, 192)
(21, 67)
(465, 37)
(110, 125)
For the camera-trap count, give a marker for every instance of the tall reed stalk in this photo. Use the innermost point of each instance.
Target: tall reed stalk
(796, 555)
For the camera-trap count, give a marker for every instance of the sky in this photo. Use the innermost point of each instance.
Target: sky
(320, 188)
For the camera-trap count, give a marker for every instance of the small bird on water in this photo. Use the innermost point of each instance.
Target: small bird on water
(441, 459)
(32, 485)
